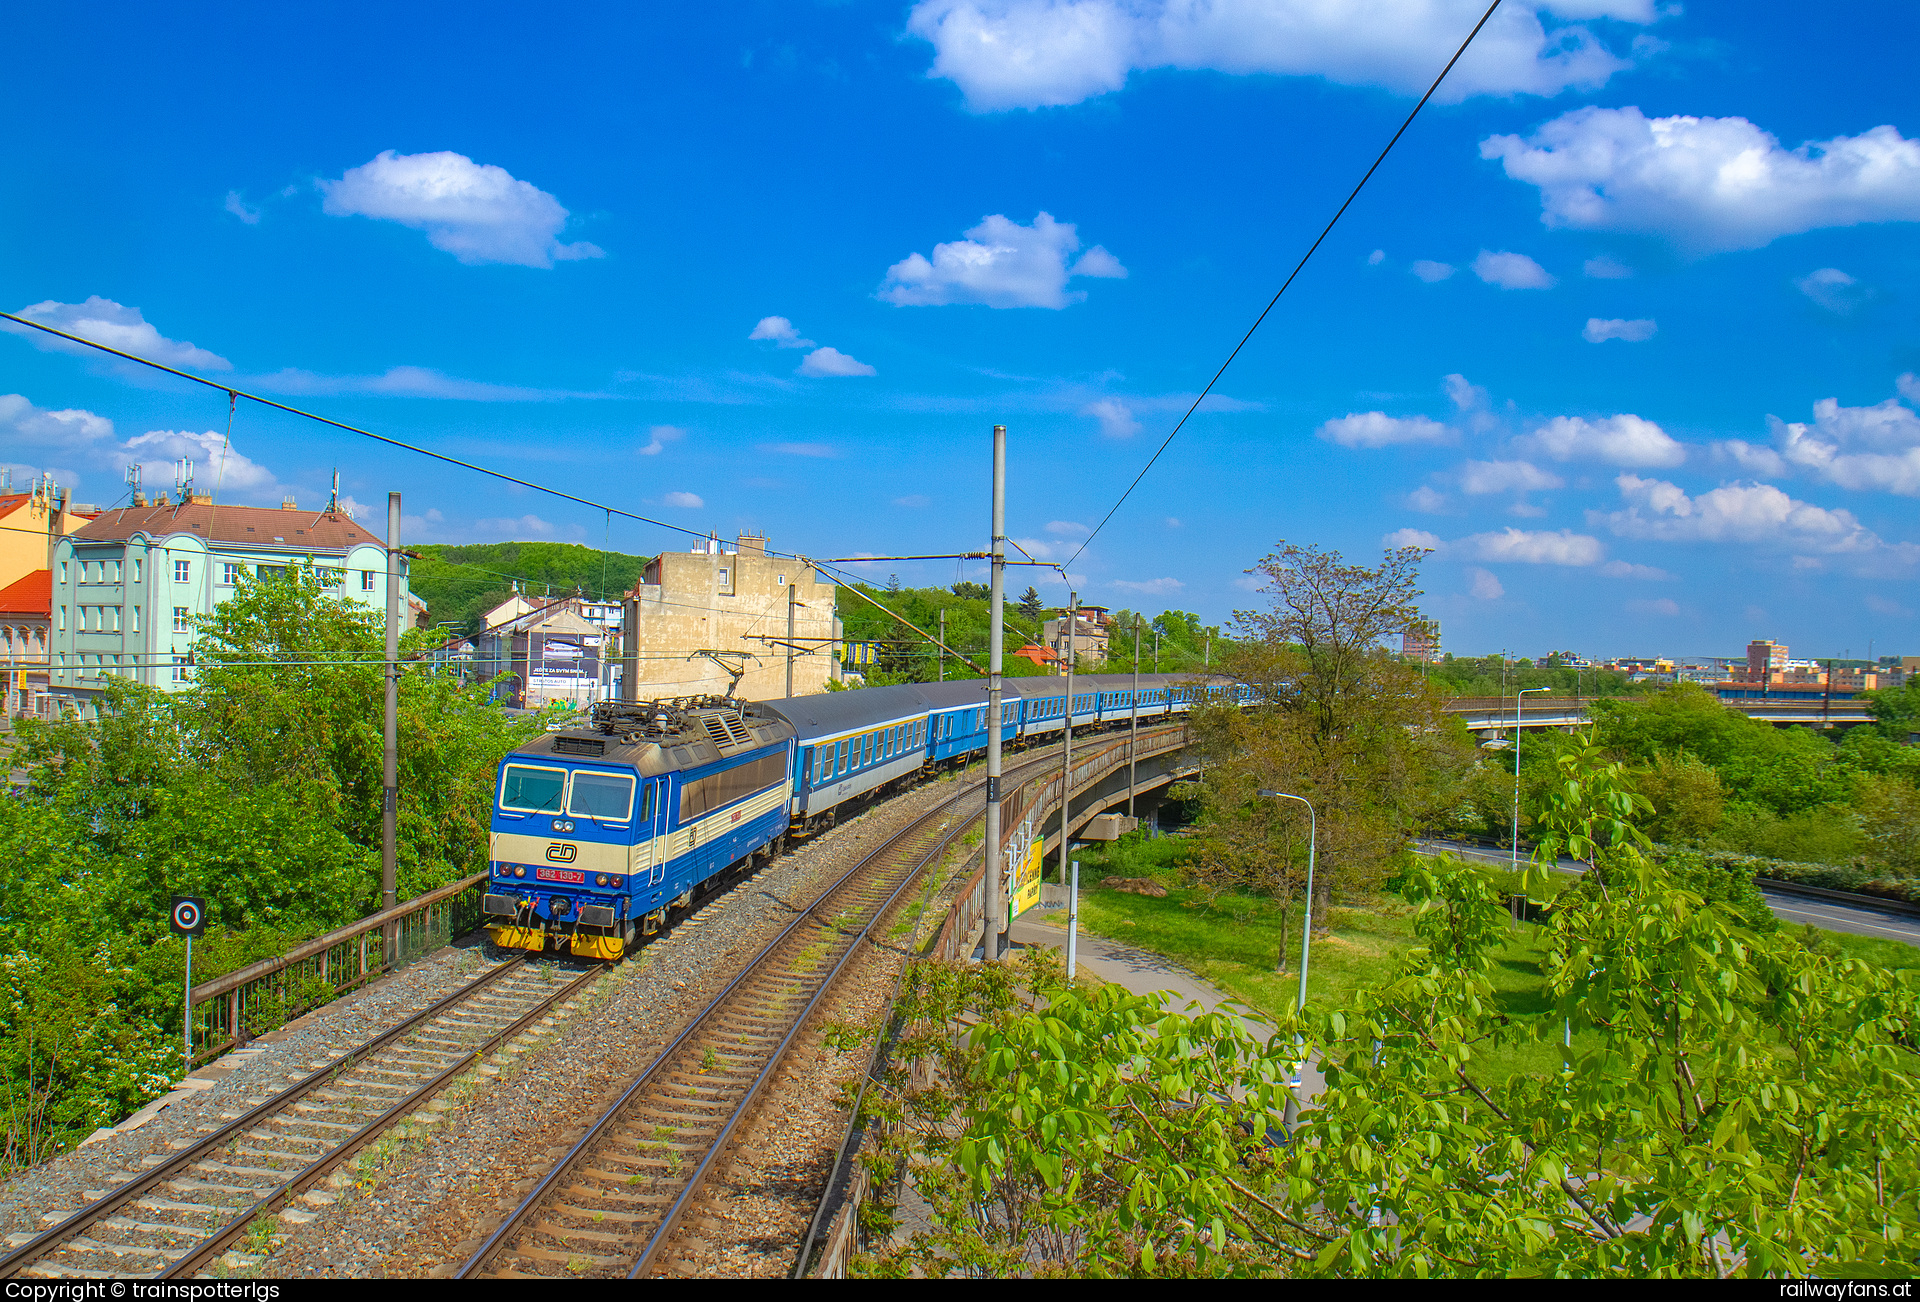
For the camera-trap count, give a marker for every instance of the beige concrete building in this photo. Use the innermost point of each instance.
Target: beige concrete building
(694, 614)
(1090, 634)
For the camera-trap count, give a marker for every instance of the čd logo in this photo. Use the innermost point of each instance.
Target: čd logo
(561, 853)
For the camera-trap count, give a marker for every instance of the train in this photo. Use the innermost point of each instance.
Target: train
(599, 830)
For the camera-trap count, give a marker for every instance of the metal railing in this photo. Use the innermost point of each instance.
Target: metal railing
(232, 1009)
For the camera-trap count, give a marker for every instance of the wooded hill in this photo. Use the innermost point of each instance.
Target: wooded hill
(461, 582)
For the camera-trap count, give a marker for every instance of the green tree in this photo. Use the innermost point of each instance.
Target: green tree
(460, 582)
(1030, 607)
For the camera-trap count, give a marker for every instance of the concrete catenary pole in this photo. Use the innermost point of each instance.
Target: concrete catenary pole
(996, 920)
(790, 600)
(1133, 724)
(941, 673)
(390, 746)
(1066, 755)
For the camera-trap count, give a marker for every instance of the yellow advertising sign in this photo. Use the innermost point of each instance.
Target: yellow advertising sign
(1024, 891)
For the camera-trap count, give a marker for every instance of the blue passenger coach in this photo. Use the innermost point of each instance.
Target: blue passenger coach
(598, 830)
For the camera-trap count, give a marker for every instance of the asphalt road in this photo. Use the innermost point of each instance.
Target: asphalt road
(1832, 915)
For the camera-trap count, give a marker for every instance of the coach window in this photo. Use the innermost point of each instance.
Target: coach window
(601, 795)
(866, 749)
(840, 762)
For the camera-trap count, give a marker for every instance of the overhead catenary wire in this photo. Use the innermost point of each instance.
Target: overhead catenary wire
(1292, 276)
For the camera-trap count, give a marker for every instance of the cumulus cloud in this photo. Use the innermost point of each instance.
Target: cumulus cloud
(1868, 449)
(1834, 290)
(1742, 513)
(107, 322)
(780, 331)
(1173, 522)
(1000, 263)
(476, 211)
(692, 501)
(77, 438)
(1006, 54)
(658, 437)
(1623, 440)
(1427, 501)
(241, 209)
(1465, 396)
(1512, 271)
(73, 429)
(405, 382)
(821, 450)
(1486, 586)
(1708, 184)
(1149, 587)
(913, 501)
(1605, 268)
(1479, 478)
(512, 526)
(831, 361)
(1067, 528)
(1377, 257)
(1431, 272)
(1412, 538)
(1115, 417)
(1628, 570)
(1376, 429)
(217, 467)
(1658, 606)
(1531, 547)
(1633, 332)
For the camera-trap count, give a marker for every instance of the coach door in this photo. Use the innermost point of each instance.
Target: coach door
(656, 819)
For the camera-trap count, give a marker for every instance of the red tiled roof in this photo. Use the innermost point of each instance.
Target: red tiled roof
(32, 595)
(259, 526)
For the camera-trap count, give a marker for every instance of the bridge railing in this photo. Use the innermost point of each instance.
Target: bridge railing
(264, 996)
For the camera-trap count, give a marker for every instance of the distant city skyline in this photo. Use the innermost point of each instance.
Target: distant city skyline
(1623, 331)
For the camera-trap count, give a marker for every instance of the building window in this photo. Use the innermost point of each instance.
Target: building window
(113, 571)
(63, 572)
(181, 571)
(133, 621)
(136, 569)
(179, 669)
(726, 580)
(366, 581)
(113, 619)
(331, 578)
(180, 624)
(63, 619)
(229, 573)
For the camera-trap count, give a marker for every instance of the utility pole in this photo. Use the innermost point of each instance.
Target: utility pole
(1206, 659)
(390, 747)
(790, 591)
(1066, 758)
(941, 650)
(1156, 650)
(994, 929)
(1133, 724)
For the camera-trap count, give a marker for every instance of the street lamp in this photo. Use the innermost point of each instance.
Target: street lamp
(1516, 771)
(1306, 940)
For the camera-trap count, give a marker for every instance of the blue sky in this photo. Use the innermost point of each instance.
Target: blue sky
(1624, 329)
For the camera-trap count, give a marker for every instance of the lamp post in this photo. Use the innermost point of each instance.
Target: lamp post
(1306, 940)
(1515, 860)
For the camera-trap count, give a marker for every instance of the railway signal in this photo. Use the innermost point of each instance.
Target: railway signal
(188, 918)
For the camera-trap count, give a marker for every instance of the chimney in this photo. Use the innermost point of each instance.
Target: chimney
(753, 544)
(287, 504)
(200, 499)
(161, 499)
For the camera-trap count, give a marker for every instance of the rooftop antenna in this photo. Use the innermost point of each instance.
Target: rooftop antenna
(183, 477)
(333, 500)
(6, 479)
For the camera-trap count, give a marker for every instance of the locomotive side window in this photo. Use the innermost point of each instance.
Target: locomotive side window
(601, 795)
(532, 790)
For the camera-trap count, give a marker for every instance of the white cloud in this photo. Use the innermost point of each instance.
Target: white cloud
(1708, 184)
(1431, 272)
(1115, 417)
(1628, 570)
(1427, 501)
(1633, 332)
(240, 208)
(1000, 263)
(1543, 547)
(692, 501)
(1249, 583)
(1869, 449)
(23, 425)
(913, 501)
(1762, 462)
(1623, 440)
(217, 468)
(77, 437)
(1882, 606)
(405, 382)
(1040, 549)
(1511, 271)
(1486, 586)
(107, 322)
(1377, 257)
(1465, 396)
(1834, 290)
(1150, 587)
(1742, 513)
(1605, 268)
(658, 437)
(511, 526)
(1412, 538)
(780, 331)
(1376, 429)
(822, 450)
(1658, 606)
(1006, 54)
(1173, 522)
(1066, 528)
(1479, 478)
(475, 211)
(831, 361)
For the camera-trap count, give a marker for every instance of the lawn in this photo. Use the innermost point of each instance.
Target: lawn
(1234, 942)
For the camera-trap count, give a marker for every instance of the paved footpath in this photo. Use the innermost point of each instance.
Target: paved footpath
(1142, 972)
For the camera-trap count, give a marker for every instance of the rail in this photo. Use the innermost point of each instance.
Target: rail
(250, 1001)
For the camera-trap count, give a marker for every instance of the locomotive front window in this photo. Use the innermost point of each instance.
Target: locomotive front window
(601, 795)
(532, 790)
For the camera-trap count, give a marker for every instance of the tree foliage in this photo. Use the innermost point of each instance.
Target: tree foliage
(461, 582)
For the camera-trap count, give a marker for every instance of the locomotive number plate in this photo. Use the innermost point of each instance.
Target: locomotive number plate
(560, 875)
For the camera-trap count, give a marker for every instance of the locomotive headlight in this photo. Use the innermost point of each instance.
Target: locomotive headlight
(519, 870)
(616, 881)
(599, 879)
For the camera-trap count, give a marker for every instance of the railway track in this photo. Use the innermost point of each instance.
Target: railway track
(615, 1204)
(177, 1219)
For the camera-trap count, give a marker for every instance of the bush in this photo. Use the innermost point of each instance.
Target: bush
(1862, 877)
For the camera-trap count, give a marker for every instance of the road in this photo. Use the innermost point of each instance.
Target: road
(1833, 915)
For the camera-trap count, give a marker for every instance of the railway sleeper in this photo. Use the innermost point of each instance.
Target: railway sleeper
(604, 1214)
(573, 1233)
(565, 1259)
(622, 1194)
